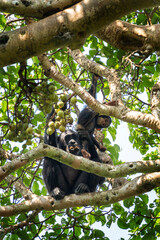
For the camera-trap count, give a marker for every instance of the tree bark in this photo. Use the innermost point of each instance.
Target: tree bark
(139, 185)
(101, 169)
(67, 28)
(131, 37)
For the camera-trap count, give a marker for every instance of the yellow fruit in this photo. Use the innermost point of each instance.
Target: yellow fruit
(70, 120)
(57, 124)
(73, 100)
(50, 131)
(62, 128)
(63, 121)
(63, 97)
(60, 104)
(51, 124)
(60, 114)
(29, 130)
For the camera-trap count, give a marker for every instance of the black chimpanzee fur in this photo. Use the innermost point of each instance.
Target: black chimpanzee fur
(88, 121)
(61, 179)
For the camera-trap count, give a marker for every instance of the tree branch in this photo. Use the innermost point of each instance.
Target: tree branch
(67, 28)
(120, 111)
(25, 192)
(131, 37)
(35, 8)
(139, 185)
(76, 162)
(109, 74)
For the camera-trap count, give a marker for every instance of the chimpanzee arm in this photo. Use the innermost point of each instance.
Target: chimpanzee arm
(93, 88)
(87, 116)
(98, 145)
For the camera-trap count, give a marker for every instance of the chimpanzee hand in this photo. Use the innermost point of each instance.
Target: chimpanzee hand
(102, 148)
(85, 154)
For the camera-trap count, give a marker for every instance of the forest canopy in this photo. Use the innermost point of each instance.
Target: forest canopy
(49, 52)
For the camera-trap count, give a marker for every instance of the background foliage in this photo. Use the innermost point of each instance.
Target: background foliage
(24, 103)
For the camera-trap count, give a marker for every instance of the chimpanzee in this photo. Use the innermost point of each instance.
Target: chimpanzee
(89, 120)
(61, 179)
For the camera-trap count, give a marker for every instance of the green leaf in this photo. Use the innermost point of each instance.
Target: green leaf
(91, 219)
(128, 202)
(118, 209)
(98, 234)
(35, 187)
(122, 223)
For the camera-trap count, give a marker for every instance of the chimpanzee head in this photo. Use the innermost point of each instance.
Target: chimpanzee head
(69, 142)
(103, 121)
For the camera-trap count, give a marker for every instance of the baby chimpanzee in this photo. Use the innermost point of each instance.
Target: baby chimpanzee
(89, 120)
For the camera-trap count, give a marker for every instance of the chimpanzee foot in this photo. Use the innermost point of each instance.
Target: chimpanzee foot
(82, 188)
(85, 154)
(57, 193)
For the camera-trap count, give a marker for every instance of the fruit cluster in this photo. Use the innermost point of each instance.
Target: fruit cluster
(46, 94)
(62, 117)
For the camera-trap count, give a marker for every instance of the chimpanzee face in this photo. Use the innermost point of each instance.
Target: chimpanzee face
(69, 141)
(103, 121)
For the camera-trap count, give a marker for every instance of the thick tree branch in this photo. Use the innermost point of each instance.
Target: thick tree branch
(109, 74)
(131, 37)
(35, 8)
(120, 111)
(155, 100)
(137, 186)
(67, 28)
(105, 170)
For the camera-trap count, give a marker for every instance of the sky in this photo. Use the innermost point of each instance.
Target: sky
(127, 154)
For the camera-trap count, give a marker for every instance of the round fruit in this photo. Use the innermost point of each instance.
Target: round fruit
(29, 130)
(56, 98)
(57, 124)
(70, 120)
(28, 142)
(51, 88)
(47, 109)
(60, 114)
(51, 124)
(58, 118)
(63, 97)
(43, 84)
(60, 104)
(63, 121)
(25, 125)
(62, 128)
(50, 131)
(52, 96)
(73, 100)
(29, 136)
